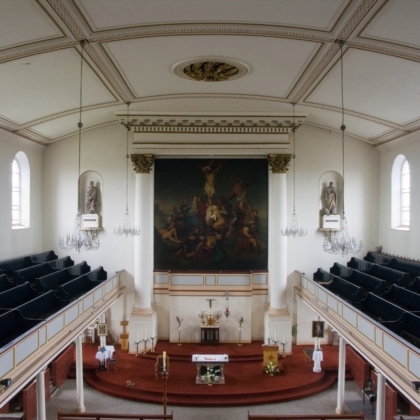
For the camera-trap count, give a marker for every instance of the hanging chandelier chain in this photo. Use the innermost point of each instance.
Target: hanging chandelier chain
(343, 127)
(80, 124)
(127, 156)
(294, 160)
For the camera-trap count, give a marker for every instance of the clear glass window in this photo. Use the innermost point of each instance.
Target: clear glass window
(16, 194)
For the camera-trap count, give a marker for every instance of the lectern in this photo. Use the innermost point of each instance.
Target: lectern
(270, 354)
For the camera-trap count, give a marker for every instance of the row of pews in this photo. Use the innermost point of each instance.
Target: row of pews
(387, 289)
(34, 288)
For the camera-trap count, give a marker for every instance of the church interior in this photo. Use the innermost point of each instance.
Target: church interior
(186, 173)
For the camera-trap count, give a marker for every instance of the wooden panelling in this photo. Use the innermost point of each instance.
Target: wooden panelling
(60, 367)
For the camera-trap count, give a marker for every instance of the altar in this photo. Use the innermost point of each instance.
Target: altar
(210, 368)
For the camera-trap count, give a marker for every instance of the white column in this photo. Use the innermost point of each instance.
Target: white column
(143, 243)
(79, 376)
(341, 376)
(380, 397)
(277, 258)
(40, 395)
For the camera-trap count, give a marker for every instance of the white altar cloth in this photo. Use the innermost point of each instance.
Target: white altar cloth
(210, 361)
(210, 358)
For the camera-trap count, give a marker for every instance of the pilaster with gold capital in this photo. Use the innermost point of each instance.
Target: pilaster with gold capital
(142, 163)
(279, 164)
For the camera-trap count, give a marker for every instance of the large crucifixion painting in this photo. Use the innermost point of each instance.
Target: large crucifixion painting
(211, 214)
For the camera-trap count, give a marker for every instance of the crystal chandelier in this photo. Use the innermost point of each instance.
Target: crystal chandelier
(126, 228)
(342, 243)
(81, 239)
(294, 230)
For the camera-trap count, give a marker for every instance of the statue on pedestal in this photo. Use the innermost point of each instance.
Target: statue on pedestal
(331, 200)
(90, 199)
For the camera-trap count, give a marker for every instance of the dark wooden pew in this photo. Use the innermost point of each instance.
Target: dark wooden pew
(390, 275)
(42, 307)
(404, 298)
(61, 263)
(43, 257)
(12, 298)
(336, 285)
(13, 325)
(409, 329)
(39, 270)
(410, 267)
(5, 283)
(380, 309)
(53, 280)
(367, 282)
(9, 266)
(415, 285)
(81, 285)
(377, 258)
(358, 264)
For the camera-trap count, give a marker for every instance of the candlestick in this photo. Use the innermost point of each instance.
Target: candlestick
(138, 337)
(153, 345)
(164, 360)
(145, 335)
(283, 338)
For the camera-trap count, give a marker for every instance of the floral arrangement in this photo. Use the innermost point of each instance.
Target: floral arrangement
(179, 320)
(271, 368)
(217, 316)
(241, 321)
(202, 315)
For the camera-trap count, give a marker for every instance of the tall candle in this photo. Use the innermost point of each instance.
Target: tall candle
(137, 336)
(275, 335)
(164, 360)
(145, 335)
(283, 339)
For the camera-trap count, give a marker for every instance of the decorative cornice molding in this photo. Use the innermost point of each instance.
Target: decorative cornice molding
(279, 164)
(142, 163)
(67, 18)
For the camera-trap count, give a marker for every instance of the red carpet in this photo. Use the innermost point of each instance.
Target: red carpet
(246, 384)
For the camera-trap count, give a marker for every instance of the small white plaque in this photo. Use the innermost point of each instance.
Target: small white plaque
(331, 222)
(91, 220)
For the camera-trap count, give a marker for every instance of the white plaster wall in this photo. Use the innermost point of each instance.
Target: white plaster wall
(18, 242)
(403, 243)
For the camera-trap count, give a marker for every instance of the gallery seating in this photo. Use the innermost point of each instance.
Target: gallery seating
(404, 298)
(415, 285)
(9, 266)
(12, 298)
(367, 282)
(377, 258)
(43, 257)
(53, 280)
(81, 285)
(40, 270)
(341, 288)
(13, 326)
(5, 283)
(358, 264)
(390, 275)
(42, 307)
(409, 329)
(380, 309)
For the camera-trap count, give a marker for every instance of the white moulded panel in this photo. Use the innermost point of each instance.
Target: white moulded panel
(42, 336)
(26, 348)
(6, 363)
(333, 303)
(187, 280)
(97, 295)
(161, 279)
(395, 350)
(108, 287)
(413, 364)
(88, 302)
(349, 316)
(259, 278)
(322, 296)
(210, 280)
(366, 328)
(72, 314)
(378, 337)
(234, 280)
(311, 288)
(81, 310)
(55, 326)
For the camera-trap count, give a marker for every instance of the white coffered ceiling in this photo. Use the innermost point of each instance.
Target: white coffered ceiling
(288, 46)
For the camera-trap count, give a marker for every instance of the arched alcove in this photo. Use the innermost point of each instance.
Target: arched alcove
(324, 181)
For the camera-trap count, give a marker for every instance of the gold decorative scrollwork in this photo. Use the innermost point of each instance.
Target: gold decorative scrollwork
(211, 71)
(279, 163)
(142, 163)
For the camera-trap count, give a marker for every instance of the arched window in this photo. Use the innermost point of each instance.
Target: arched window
(400, 198)
(20, 191)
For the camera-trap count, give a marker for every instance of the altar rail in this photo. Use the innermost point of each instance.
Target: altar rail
(397, 359)
(100, 416)
(360, 416)
(22, 359)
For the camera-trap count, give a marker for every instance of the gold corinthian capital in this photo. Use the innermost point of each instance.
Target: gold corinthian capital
(279, 164)
(142, 163)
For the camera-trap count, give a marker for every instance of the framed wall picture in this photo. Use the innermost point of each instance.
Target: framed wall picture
(318, 329)
(102, 330)
(211, 214)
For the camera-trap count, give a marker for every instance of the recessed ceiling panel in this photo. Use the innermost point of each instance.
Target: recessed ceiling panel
(46, 84)
(398, 21)
(108, 14)
(29, 25)
(372, 82)
(148, 64)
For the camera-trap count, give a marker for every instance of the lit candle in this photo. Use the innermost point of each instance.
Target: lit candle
(283, 338)
(164, 360)
(275, 335)
(137, 336)
(145, 335)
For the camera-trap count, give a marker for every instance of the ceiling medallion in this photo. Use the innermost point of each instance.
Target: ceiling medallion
(210, 70)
